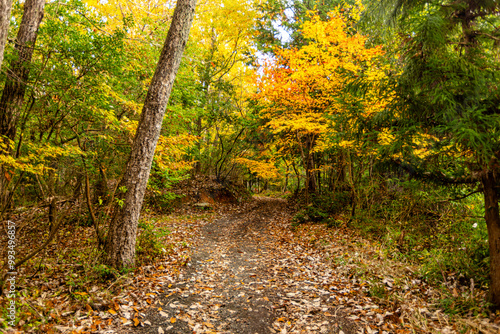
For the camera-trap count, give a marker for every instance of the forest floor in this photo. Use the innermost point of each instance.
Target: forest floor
(244, 276)
(251, 272)
(245, 269)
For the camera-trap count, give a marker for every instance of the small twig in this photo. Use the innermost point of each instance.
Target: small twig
(91, 210)
(38, 269)
(95, 222)
(488, 35)
(34, 309)
(112, 197)
(11, 194)
(47, 242)
(116, 281)
(461, 197)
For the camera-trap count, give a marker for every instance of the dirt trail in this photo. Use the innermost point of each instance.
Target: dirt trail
(243, 277)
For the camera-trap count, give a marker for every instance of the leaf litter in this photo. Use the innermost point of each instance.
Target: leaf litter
(243, 269)
(250, 272)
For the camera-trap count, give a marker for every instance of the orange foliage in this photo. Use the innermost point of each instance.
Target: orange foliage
(300, 89)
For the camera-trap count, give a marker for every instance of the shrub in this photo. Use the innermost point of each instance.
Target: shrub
(150, 244)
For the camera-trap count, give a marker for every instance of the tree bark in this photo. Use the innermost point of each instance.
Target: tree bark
(298, 177)
(310, 175)
(15, 86)
(492, 218)
(12, 98)
(5, 7)
(120, 243)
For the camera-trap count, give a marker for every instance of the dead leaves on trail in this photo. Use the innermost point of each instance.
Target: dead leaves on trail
(245, 270)
(249, 274)
(61, 294)
(318, 291)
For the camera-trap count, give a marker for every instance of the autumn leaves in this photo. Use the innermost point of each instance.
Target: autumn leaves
(304, 91)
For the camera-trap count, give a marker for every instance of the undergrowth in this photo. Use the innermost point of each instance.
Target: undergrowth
(72, 269)
(419, 223)
(150, 244)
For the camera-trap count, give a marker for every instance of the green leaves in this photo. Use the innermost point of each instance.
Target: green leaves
(448, 86)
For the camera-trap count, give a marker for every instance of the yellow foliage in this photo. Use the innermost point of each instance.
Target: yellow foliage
(265, 170)
(300, 88)
(170, 152)
(37, 158)
(385, 137)
(420, 143)
(143, 13)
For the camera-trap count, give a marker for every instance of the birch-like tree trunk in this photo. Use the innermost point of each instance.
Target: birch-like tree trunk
(5, 7)
(120, 243)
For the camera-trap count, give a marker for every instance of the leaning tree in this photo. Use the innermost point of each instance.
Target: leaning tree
(120, 243)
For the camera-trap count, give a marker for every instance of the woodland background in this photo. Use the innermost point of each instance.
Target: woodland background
(381, 117)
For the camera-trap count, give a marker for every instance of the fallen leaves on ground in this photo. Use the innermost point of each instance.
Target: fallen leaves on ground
(251, 272)
(245, 269)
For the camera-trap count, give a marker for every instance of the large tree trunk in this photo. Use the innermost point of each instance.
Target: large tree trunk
(12, 99)
(15, 86)
(5, 7)
(120, 243)
(492, 218)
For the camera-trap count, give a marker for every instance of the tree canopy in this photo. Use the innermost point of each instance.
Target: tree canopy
(348, 108)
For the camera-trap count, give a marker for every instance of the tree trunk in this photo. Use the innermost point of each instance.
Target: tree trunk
(310, 175)
(285, 188)
(341, 168)
(199, 129)
(317, 161)
(492, 218)
(5, 7)
(12, 99)
(120, 243)
(15, 86)
(298, 177)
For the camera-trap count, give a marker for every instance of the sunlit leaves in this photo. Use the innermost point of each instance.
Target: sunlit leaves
(36, 158)
(170, 152)
(262, 169)
(303, 90)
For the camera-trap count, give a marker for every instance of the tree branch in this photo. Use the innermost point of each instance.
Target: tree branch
(462, 197)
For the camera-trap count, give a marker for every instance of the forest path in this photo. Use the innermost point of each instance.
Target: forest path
(245, 276)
